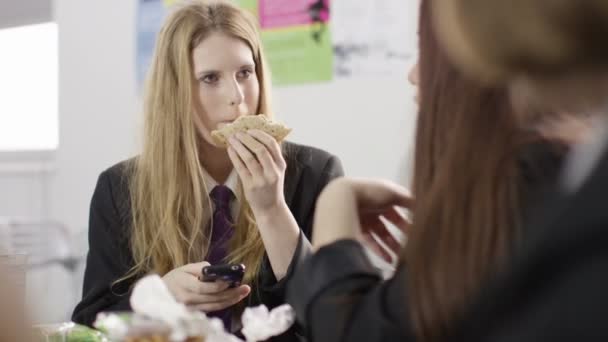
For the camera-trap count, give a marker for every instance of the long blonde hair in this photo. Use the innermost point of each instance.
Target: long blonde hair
(171, 209)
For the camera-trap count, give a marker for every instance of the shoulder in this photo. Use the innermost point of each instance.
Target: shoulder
(311, 158)
(119, 172)
(542, 158)
(309, 170)
(112, 189)
(540, 166)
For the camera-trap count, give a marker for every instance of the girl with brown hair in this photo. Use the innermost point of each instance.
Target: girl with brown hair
(555, 51)
(481, 168)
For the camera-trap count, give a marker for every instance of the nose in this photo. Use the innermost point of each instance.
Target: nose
(413, 75)
(235, 93)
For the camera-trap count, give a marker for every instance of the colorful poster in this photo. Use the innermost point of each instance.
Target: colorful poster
(296, 55)
(295, 35)
(313, 40)
(281, 13)
(297, 40)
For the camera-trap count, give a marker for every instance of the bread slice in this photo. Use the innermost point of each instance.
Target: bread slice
(247, 122)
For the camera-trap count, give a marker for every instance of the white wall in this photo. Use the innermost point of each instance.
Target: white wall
(97, 99)
(24, 192)
(368, 123)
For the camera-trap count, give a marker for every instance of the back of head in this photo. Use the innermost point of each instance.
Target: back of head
(553, 44)
(467, 180)
(472, 150)
(543, 38)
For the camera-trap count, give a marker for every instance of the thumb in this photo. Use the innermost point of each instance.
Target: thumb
(244, 290)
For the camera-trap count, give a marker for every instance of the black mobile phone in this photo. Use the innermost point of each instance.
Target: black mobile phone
(230, 273)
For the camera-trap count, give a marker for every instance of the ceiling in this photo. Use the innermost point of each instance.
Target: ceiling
(25, 12)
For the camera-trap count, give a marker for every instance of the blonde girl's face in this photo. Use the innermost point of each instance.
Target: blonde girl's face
(226, 85)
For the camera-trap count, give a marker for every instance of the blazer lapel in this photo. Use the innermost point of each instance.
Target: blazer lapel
(292, 173)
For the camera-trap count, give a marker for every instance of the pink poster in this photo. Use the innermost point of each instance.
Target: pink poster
(286, 13)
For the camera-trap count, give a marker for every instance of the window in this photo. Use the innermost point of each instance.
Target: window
(29, 119)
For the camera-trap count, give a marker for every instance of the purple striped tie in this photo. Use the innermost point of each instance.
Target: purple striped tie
(222, 231)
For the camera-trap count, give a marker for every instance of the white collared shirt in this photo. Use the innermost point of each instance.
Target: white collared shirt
(232, 183)
(584, 157)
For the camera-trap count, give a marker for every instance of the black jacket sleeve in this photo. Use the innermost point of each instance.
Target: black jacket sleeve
(108, 259)
(338, 295)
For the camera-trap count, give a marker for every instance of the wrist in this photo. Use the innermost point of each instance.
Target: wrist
(271, 213)
(336, 216)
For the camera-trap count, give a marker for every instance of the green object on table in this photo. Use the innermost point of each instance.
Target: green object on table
(84, 334)
(68, 332)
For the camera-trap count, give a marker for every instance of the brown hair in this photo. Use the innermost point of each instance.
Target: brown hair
(468, 187)
(544, 39)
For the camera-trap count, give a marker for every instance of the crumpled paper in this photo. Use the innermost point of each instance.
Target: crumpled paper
(151, 298)
(111, 325)
(259, 324)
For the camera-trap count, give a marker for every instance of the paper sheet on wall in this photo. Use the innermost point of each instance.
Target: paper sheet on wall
(370, 37)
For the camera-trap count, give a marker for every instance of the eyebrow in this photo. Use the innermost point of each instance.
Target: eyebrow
(206, 72)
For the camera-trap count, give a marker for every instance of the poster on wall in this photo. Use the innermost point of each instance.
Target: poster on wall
(309, 41)
(295, 35)
(297, 40)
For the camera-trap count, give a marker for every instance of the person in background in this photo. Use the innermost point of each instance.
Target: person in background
(482, 167)
(555, 52)
(185, 203)
(14, 318)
